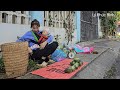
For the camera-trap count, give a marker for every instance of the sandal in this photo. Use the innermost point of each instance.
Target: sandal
(44, 64)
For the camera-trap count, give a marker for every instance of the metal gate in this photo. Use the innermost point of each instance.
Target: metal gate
(89, 26)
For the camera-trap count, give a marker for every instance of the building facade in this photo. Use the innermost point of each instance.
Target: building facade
(15, 17)
(13, 24)
(55, 21)
(16, 23)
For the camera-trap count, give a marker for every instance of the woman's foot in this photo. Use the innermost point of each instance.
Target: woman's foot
(49, 56)
(44, 64)
(51, 61)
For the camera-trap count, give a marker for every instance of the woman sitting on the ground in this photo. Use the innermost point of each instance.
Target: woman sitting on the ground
(32, 37)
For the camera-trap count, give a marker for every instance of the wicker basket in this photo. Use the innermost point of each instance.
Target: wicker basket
(15, 56)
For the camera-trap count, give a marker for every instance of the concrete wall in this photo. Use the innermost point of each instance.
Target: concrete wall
(100, 35)
(39, 15)
(78, 25)
(62, 32)
(9, 32)
(58, 31)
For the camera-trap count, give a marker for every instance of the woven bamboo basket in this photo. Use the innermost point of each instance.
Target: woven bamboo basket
(15, 57)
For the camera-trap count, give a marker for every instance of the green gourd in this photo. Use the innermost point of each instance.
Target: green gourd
(77, 60)
(68, 70)
(76, 65)
(72, 63)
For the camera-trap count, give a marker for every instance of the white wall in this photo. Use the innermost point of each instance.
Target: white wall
(59, 31)
(62, 32)
(100, 35)
(9, 32)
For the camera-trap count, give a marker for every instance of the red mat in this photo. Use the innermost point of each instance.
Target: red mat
(56, 70)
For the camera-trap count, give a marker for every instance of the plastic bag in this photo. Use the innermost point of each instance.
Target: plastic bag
(58, 55)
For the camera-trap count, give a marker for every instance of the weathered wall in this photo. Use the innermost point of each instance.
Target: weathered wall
(9, 32)
(89, 26)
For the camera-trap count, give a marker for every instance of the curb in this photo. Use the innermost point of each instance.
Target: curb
(87, 43)
(91, 62)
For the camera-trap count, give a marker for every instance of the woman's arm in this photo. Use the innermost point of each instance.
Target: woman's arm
(25, 37)
(30, 50)
(50, 39)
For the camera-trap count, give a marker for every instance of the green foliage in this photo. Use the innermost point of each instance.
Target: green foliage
(57, 38)
(69, 26)
(117, 14)
(104, 12)
(18, 37)
(2, 69)
(108, 22)
(32, 65)
(112, 23)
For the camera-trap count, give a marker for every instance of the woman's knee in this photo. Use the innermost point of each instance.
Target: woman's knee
(55, 44)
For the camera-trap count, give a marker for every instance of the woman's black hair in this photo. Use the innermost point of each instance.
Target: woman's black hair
(35, 22)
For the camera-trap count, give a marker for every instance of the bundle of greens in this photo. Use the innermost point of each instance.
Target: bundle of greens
(2, 68)
(73, 65)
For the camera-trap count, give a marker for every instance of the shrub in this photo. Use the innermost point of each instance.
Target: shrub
(32, 65)
(2, 68)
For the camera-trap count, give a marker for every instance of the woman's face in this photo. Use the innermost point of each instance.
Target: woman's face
(35, 28)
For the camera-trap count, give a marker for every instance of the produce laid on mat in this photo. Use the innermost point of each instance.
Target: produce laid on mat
(76, 62)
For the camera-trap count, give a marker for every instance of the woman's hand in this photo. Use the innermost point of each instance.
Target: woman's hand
(29, 50)
(42, 45)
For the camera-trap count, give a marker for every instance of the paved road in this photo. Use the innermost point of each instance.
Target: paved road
(117, 67)
(103, 64)
(114, 71)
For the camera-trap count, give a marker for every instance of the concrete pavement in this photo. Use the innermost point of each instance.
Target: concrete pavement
(99, 63)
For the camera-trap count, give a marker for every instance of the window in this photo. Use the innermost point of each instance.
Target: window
(54, 18)
(57, 18)
(4, 18)
(14, 19)
(23, 12)
(22, 20)
(29, 12)
(29, 20)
